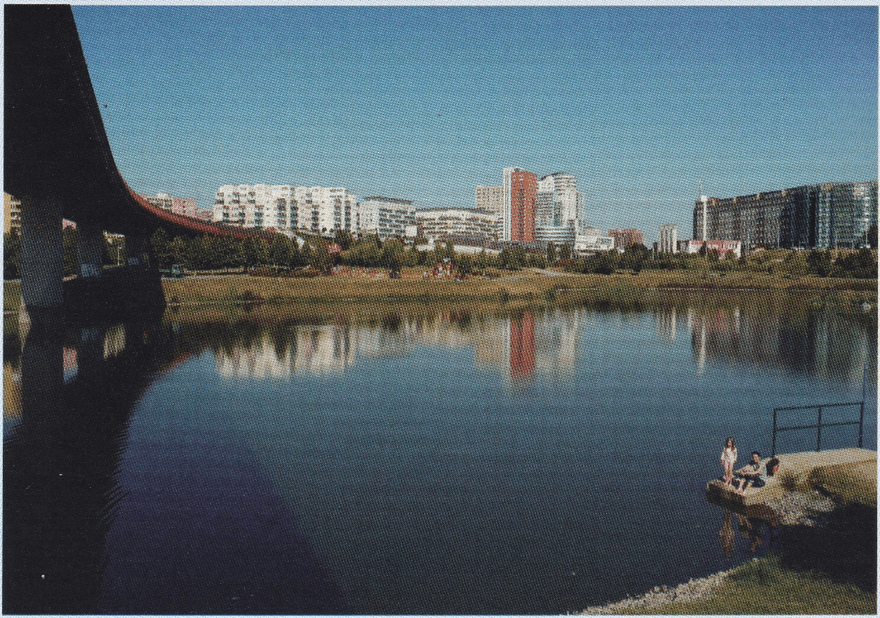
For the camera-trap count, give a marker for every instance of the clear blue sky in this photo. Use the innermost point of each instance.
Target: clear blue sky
(641, 104)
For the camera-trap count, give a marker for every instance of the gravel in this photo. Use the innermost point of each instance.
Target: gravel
(694, 590)
(802, 508)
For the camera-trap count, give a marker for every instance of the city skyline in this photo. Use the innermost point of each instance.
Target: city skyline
(642, 104)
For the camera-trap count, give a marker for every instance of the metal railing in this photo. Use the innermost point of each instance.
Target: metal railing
(819, 424)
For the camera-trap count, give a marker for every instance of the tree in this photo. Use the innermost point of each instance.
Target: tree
(605, 262)
(255, 252)
(565, 251)
(483, 262)
(281, 251)
(819, 262)
(177, 249)
(392, 255)
(321, 259)
(551, 253)
(465, 264)
(226, 252)
(872, 236)
(160, 242)
(344, 239)
(70, 250)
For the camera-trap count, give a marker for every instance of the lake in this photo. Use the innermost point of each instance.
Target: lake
(410, 461)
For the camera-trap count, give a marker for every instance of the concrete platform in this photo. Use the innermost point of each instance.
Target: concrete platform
(797, 466)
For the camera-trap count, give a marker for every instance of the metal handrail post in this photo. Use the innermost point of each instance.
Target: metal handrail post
(773, 450)
(819, 432)
(861, 421)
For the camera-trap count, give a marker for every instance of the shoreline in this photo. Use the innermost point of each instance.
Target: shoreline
(795, 508)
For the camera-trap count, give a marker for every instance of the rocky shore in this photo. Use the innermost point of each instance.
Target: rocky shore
(791, 509)
(801, 508)
(693, 590)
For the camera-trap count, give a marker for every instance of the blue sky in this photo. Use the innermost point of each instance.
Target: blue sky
(641, 104)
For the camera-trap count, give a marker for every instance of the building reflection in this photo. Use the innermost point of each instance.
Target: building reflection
(516, 347)
(819, 343)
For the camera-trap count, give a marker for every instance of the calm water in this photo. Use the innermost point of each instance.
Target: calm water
(458, 462)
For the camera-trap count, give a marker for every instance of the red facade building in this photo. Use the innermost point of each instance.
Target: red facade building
(523, 205)
(624, 239)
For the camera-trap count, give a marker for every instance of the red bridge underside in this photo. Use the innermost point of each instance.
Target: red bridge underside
(55, 145)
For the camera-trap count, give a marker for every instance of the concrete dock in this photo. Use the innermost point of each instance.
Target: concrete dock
(794, 470)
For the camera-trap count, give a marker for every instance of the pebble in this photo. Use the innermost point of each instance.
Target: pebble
(802, 509)
(693, 590)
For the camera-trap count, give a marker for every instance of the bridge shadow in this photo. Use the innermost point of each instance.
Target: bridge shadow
(64, 493)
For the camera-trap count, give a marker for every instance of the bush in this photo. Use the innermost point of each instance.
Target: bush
(250, 297)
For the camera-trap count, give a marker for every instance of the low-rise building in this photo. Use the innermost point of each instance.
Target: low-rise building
(624, 239)
(591, 240)
(458, 223)
(387, 217)
(722, 247)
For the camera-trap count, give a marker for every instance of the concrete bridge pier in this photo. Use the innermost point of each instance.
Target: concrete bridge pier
(90, 249)
(135, 247)
(42, 264)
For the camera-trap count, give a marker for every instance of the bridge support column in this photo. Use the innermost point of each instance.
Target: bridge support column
(42, 264)
(135, 246)
(91, 250)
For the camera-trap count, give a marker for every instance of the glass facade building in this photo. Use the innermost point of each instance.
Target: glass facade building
(822, 216)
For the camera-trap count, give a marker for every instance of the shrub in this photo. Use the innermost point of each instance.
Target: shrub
(250, 297)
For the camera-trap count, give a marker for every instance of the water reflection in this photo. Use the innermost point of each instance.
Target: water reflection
(88, 508)
(517, 347)
(822, 343)
(61, 453)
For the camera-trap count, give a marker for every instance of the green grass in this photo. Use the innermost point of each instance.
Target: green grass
(850, 483)
(763, 586)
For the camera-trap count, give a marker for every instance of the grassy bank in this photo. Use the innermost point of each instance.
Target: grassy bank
(527, 285)
(764, 586)
(622, 289)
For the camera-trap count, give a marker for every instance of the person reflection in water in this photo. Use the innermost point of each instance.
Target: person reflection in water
(751, 530)
(727, 534)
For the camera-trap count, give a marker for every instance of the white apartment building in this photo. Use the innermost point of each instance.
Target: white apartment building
(668, 239)
(558, 200)
(506, 223)
(324, 210)
(387, 217)
(257, 206)
(441, 223)
(319, 210)
(489, 198)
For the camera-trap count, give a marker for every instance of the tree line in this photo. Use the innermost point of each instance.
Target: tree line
(208, 252)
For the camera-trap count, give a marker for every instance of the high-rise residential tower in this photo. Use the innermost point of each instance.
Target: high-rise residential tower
(519, 208)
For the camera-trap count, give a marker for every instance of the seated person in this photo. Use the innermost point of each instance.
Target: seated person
(755, 473)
